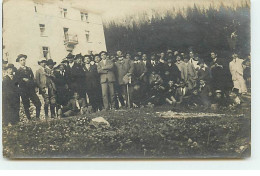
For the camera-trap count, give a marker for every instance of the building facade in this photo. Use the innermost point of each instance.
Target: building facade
(50, 29)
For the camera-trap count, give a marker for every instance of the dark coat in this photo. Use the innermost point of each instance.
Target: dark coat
(151, 66)
(62, 88)
(11, 100)
(221, 76)
(25, 86)
(204, 74)
(77, 79)
(174, 73)
(91, 77)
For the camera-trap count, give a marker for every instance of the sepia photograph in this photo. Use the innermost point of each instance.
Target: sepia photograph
(126, 79)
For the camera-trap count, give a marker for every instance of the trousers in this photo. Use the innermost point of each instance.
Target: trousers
(108, 95)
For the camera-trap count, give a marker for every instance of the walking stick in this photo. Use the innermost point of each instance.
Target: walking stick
(127, 90)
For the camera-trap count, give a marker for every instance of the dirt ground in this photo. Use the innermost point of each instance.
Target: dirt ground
(135, 133)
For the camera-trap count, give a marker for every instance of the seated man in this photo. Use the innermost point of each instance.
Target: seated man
(156, 89)
(205, 93)
(218, 100)
(181, 92)
(76, 106)
(170, 93)
(235, 100)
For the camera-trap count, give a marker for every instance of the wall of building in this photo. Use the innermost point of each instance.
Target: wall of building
(21, 31)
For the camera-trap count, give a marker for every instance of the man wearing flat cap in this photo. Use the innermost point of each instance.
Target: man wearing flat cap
(11, 97)
(27, 87)
(107, 78)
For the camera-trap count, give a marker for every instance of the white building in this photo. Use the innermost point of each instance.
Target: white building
(49, 29)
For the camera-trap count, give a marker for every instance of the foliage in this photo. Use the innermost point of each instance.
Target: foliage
(203, 30)
(134, 133)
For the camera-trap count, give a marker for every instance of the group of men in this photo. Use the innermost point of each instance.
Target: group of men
(90, 83)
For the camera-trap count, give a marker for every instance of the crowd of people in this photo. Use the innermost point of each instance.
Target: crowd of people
(90, 83)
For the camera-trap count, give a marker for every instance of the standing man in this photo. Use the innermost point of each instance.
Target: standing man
(42, 83)
(236, 70)
(221, 77)
(91, 82)
(11, 98)
(27, 87)
(190, 74)
(107, 78)
(171, 72)
(78, 76)
(123, 67)
(152, 63)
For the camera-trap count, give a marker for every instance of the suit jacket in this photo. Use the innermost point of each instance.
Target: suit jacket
(40, 78)
(10, 89)
(25, 73)
(161, 68)
(106, 71)
(174, 73)
(122, 68)
(151, 66)
(91, 77)
(204, 74)
(72, 104)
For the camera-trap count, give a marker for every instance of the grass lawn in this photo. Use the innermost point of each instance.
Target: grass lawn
(133, 133)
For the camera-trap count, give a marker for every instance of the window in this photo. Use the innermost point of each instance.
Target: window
(66, 33)
(42, 29)
(46, 52)
(87, 36)
(84, 16)
(65, 11)
(35, 8)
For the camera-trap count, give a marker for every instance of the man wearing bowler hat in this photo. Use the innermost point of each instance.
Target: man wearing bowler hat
(27, 87)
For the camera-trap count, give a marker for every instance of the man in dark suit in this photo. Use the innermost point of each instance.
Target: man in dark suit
(221, 76)
(171, 72)
(107, 79)
(78, 76)
(11, 97)
(203, 72)
(76, 106)
(91, 82)
(61, 85)
(152, 64)
(27, 87)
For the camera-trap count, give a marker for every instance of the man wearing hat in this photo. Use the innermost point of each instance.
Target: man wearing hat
(123, 67)
(77, 76)
(44, 84)
(11, 97)
(49, 70)
(92, 83)
(27, 87)
(107, 79)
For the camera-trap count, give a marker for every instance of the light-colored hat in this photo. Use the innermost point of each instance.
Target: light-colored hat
(43, 59)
